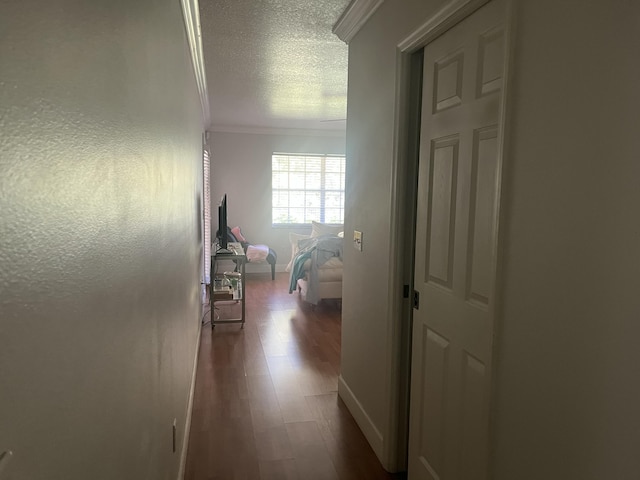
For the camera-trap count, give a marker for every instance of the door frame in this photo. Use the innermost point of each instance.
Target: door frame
(404, 170)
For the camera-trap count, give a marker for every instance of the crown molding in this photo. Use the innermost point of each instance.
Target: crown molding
(451, 13)
(296, 132)
(354, 17)
(191, 17)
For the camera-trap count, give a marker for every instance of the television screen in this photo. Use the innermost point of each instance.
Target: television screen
(222, 222)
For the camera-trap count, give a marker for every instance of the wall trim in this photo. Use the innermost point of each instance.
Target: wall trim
(354, 17)
(450, 14)
(296, 132)
(371, 433)
(187, 423)
(191, 17)
(401, 241)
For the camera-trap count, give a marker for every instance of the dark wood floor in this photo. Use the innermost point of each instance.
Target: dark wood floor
(266, 404)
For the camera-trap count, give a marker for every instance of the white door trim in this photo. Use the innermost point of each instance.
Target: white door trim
(399, 312)
(445, 18)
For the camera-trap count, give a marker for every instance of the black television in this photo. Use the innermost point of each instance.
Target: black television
(222, 223)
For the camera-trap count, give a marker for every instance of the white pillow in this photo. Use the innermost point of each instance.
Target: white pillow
(293, 239)
(318, 229)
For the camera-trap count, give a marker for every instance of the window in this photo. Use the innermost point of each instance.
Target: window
(307, 187)
(206, 216)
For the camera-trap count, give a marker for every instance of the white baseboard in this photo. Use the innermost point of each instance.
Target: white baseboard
(371, 433)
(187, 423)
(203, 293)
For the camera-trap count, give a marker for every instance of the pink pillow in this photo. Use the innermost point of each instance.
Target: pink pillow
(238, 234)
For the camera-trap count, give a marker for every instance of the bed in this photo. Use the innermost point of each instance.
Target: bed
(316, 263)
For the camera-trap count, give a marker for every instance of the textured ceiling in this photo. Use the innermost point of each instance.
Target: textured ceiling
(274, 63)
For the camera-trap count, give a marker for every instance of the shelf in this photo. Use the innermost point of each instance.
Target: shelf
(229, 293)
(222, 293)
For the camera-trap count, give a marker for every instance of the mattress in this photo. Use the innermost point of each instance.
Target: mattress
(330, 271)
(325, 289)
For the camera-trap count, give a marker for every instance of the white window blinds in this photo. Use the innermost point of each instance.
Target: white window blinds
(206, 211)
(307, 187)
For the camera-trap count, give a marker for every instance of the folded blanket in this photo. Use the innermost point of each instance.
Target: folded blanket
(257, 253)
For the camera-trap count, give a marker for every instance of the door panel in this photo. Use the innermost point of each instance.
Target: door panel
(434, 364)
(447, 78)
(483, 204)
(458, 183)
(473, 459)
(442, 180)
(490, 55)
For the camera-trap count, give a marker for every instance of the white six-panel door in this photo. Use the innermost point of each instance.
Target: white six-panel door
(455, 249)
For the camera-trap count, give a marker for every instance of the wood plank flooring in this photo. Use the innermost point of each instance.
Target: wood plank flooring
(266, 404)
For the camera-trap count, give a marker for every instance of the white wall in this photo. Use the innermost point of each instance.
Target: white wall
(100, 159)
(241, 168)
(366, 326)
(568, 364)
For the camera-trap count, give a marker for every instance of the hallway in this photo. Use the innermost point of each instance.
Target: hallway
(265, 402)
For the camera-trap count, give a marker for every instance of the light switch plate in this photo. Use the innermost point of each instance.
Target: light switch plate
(357, 240)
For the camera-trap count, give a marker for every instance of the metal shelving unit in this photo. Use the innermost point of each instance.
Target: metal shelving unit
(228, 293)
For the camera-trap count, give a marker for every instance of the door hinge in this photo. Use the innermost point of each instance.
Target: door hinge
(416, 299)
(405, 291)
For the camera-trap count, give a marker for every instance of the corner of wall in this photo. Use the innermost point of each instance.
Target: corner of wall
(371, 433)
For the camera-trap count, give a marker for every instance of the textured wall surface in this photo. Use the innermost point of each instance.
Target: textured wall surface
(100, 187)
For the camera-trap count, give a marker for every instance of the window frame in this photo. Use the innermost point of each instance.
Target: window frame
(206, 214)
(322, 190)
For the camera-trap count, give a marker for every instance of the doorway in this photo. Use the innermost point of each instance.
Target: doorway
(453, 213)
